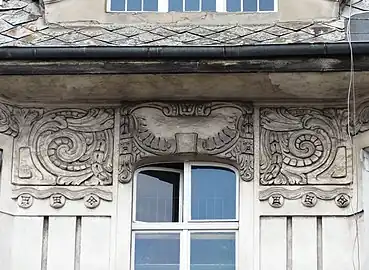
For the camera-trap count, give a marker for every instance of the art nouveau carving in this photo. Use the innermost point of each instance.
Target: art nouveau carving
(309, 195)
(58, 196)
(304, 146)
(8, 124)
(64, 147)
(223, 130)
(361, 118)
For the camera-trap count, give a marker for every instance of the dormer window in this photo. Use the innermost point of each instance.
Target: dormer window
(192, 5)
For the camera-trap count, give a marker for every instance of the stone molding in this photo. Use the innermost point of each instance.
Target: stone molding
(309, 196)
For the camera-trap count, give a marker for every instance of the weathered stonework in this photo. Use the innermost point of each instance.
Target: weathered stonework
(304, 146)
(63, 146)
(222, 130)
(58, 196)
(66, 154)
(308, 195)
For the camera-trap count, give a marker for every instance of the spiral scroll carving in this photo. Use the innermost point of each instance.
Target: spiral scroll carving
(68, 147)
(303, 146)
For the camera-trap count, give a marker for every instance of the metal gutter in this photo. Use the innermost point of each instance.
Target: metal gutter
(301, 50)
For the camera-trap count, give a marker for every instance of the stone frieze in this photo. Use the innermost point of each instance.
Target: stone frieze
(222, 130)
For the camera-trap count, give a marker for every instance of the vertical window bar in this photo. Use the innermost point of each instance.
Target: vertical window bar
(181, 199)
(220, 5)
(183, 259)
(163, 5)
(187, 193)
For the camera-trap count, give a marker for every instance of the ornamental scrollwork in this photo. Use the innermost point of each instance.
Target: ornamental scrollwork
(8, 123)
(64, 147)
(218, 129)
(304, 146)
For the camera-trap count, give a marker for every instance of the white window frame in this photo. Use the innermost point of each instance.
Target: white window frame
(186, 226)
(163, 6)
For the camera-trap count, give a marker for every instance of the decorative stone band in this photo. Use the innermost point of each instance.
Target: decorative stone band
(58, 196)
(309, 196)
(218, 130)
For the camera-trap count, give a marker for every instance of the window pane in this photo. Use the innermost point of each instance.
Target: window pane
(118, 5)
(192, 5)
(157, 196)
(213, 193)
(250, 5)
(211, 251)
(208, 5)
(233, 5)
(150, 5)
(266, 5)
(134, 5)
(156, 251)
(175, 5)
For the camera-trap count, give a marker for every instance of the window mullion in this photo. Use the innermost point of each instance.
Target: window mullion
(221, 5)
(185, 250)
(163, 5)
(187, 193)
(181, 208)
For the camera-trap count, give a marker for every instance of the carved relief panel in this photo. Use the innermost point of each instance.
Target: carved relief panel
(304, 146)
(222, 130)
(58, 154)
(63, 147)
(305, 159)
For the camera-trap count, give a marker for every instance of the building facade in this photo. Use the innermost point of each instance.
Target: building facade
(144, 135)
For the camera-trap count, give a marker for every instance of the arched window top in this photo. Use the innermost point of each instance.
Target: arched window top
(185, 192)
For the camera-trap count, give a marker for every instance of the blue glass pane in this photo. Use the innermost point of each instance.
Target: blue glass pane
(157, 251)
(117, 5)
(150, 5)
(175, 5)
(134, 5)
(157, 196)
(213, 193)
(211, 251)
(192, 5)
(266, 5)
(233, 5)
(250, 5)
(208, 5)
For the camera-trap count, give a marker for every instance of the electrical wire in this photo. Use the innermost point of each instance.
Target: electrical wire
(351, 92)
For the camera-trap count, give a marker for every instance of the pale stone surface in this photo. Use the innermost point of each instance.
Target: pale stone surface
(114, 89)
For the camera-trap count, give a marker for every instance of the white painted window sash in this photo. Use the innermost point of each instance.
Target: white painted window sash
(156, 169)
(185, 245)
(151, 226)
(185, 226)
